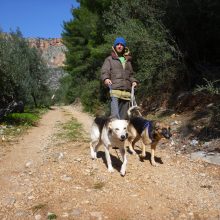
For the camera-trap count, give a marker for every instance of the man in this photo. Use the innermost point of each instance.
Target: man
(117, 74)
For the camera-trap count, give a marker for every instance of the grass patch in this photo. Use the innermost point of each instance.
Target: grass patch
(99, 185)
(16, 123)
(157, 117)
(13, 131)
(72, 131)
(51, 216)
(36, 111)
(38, 207)
(29, 117)
(22, 119)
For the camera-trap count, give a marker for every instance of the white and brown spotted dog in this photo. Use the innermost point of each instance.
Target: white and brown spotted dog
(109, 132)
(148, 132)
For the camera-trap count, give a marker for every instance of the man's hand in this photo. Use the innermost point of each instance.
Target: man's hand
(134, 84)
(107, 82)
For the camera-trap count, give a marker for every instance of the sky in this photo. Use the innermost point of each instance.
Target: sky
(36, 18)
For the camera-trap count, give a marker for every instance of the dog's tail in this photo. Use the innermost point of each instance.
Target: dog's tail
(132, 109)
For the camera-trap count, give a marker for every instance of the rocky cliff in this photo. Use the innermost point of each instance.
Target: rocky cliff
(53, 52)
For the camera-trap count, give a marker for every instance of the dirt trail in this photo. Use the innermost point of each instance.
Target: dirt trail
(28, 148)
(41, 175)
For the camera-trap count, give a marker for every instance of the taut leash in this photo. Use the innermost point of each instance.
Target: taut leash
(133, 101)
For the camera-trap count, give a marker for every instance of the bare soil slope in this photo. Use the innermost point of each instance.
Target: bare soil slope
(42, 177)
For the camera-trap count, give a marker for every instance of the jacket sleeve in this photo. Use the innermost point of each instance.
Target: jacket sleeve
(105, 70)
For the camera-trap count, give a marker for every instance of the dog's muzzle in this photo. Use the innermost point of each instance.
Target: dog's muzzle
(123, 137)
(167, 135)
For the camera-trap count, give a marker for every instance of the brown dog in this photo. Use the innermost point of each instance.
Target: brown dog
(148, 132)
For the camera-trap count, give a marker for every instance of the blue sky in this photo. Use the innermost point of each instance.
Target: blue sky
(36, 18)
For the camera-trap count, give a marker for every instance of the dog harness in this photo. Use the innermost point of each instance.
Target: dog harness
(141, 124)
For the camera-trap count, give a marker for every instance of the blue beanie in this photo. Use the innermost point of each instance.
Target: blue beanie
(120, 40)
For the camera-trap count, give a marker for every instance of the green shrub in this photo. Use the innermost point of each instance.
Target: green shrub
(90, 96)
(22, 118)
(72, 131)
(209, 87)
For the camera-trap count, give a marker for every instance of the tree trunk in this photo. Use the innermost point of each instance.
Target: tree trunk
(35, 101)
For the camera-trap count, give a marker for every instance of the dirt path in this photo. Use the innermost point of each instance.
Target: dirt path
(40, 176)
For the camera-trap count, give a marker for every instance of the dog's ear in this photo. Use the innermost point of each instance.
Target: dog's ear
(112, 118)
(157, 126)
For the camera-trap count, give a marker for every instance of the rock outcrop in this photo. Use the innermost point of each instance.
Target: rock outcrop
(53, 52)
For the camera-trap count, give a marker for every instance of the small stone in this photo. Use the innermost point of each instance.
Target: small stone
(210, 105)
(173, 116)
(30, 197)
(65, 215)
(78, 159)
(78, 187)
(37, 217)
(60, 156)
(76, 212)
(194, 143)
(85, 202)
(66, 178)
(197, 155)
(95, 215)
(28, 164)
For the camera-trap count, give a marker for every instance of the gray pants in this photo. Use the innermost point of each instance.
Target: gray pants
(119, 108)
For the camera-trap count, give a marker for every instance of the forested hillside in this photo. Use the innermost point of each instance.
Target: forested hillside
(174, 45)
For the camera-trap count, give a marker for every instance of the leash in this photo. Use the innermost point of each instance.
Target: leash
(133, 101)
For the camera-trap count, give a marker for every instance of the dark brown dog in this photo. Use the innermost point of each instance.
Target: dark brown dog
(148, 132)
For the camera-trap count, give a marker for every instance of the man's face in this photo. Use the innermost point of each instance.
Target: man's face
(119, 48)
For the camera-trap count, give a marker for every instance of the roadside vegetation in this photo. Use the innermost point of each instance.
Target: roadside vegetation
(23, 73)
(15, 124)
(24, 94)
(72, 131)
